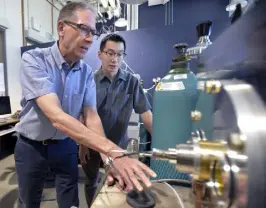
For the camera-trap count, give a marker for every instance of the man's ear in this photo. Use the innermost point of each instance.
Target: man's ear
(60, 28)
(100, 55)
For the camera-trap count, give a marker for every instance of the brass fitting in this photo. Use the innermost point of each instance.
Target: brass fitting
(213, 86)
(196, 115)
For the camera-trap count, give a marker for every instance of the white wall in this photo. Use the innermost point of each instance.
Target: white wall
(44, 16)
(11, 13)
(43, 13)
(55, 16)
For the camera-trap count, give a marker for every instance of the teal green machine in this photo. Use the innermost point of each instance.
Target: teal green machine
(177, 110)
(173, 101)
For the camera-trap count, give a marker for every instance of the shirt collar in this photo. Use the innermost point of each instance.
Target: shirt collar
(121, 75)
(59, 59)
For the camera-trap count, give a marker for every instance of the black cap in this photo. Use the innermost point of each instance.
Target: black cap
(181, 54)
(181, 48)
(204, 28)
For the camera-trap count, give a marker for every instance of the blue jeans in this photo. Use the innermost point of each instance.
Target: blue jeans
(33, 161)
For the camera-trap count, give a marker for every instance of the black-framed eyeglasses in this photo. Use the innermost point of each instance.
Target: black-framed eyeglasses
(83, 29)
(112, 54)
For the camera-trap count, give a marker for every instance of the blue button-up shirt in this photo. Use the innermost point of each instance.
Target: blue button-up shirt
(44, 71)
(115, 102)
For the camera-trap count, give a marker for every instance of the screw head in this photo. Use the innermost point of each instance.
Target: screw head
(196, 115)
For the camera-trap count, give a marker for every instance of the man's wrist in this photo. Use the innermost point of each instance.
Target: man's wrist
(107, 162)
(115, 152)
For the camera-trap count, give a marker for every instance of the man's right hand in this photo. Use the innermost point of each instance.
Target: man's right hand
(132, 170)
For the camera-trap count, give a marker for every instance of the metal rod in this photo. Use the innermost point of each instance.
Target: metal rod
(172, 12)
(23, 23)
(165, 14)
(131, 19)
(169, 13)
(52, 18)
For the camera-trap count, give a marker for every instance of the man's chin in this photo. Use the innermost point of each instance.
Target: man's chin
(113, 70)
(82, 55)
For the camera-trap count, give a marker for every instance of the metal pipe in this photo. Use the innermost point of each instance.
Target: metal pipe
(52, 17)
(28, 13)
(169, 13)
(165, 14)
(23, 23)
(131, 17)
(172, 12)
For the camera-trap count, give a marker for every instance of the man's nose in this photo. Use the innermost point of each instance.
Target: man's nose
(115, 58)
(89, 38)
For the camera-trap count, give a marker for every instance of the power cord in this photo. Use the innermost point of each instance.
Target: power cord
(172, 180)
(176, 194)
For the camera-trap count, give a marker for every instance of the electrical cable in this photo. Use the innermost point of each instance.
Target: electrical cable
(125, 155)
(150, 88)
(128, 68)
(176, 194)
(172, 180)
(144, 143)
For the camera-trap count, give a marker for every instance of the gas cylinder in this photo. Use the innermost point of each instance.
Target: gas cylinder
(173, 101)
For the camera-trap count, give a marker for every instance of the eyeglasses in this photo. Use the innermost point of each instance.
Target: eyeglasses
(112, 55)
(84, 30)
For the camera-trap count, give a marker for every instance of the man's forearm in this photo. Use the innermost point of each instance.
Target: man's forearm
(83, 135)
(147, 120)
(97, 126)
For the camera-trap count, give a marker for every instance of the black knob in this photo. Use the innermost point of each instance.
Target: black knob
(204, 28)
(181, 48)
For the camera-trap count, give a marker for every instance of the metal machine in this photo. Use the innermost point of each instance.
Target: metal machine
(227, 166)
(219, 167)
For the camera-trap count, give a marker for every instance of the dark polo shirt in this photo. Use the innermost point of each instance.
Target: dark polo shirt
(115, 102)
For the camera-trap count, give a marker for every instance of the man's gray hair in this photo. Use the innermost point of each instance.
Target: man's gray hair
(69, 10)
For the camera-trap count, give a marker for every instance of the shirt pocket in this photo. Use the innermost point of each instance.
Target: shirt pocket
(124, 100)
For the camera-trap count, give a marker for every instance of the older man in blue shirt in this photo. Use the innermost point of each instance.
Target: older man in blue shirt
(57, 86)
(118, 93)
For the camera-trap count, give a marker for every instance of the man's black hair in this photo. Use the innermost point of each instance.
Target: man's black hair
(112, 37)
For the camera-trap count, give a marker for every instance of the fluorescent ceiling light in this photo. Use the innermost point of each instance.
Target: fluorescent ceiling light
(157, 2)
(104, 3)
(232, 6)
(112, 3)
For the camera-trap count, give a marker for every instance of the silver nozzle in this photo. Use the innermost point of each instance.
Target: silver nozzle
(159, 154)
(183, 157)
(145, 154)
